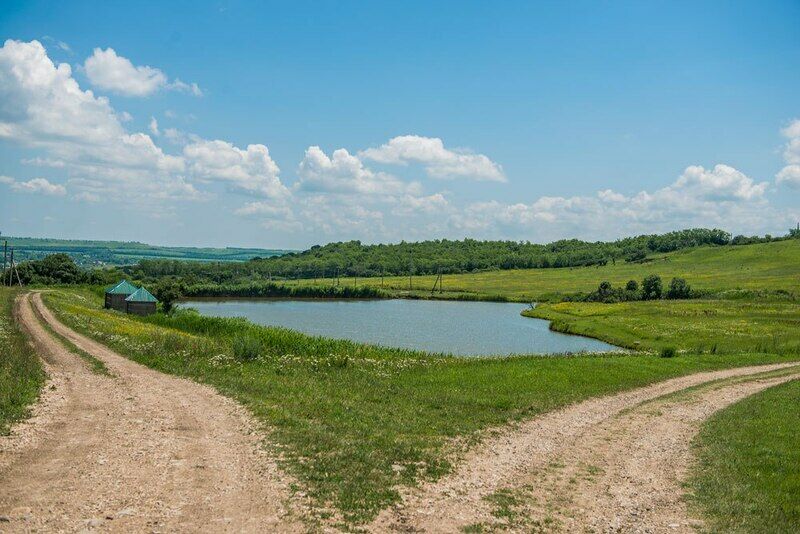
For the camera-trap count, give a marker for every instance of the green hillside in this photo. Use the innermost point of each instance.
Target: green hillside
(89, 253)
(764, 266)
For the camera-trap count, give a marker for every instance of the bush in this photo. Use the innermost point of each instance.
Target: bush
(632, 285)
(247, 347)
(668, 352)
(651, 287)
(636, 256)
(679, 289)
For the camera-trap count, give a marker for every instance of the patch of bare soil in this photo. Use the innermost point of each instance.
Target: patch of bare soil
(139, 451)
(610, 464)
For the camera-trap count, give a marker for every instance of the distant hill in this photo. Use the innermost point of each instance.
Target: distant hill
(96, 253)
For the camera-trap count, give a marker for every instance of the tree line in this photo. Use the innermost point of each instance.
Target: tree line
(352, 258)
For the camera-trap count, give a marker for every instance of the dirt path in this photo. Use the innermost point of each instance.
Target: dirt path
(611, 464)
(139, 451)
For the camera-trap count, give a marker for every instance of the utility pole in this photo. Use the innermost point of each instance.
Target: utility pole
(11, 269)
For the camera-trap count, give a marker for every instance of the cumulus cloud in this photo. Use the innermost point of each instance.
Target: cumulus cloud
(251, 170)
(40, 186)
(438, 161)
(107, 70)
(721, 183)
(721, 197)
(43, 107)
(344, 173)
(790, 174)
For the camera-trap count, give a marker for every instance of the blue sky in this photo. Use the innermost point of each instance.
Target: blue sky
(525, 120)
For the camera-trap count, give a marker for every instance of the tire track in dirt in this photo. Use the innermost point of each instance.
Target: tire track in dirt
(544, 466)
(141, 451)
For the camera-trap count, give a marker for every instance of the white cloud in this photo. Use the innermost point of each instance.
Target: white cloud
(43, 107)
(251, 170)
(721, 197)
(432, 204)
(721, 183)
(154, 126)
(40, 186)
(59, 44)
(790, 174)
(107, 70)
(344, 173)
(439, 162)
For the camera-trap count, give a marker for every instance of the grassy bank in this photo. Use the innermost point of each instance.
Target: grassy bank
(748, 475)
(696, 325)
(21, 373)
(355, 422)
(760, 267)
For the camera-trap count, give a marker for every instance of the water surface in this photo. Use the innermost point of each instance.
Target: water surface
(456, 327)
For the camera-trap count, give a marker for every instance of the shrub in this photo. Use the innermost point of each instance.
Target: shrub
(651, 287)
(668, 352)
(636, 255)
(247, 347)
(678, 289)
(632, 285)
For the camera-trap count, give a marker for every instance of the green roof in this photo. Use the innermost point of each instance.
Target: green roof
(141, 295)
(123, 288)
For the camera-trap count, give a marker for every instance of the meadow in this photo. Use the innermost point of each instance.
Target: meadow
(354, 423)
(21, 373)
(762, 267)
(699, 325)
(748, 473)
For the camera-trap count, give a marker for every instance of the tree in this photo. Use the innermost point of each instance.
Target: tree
(605, 290)
(52, 269)
(678, 289)
(167, 292)
(651, 287)
(632, 285)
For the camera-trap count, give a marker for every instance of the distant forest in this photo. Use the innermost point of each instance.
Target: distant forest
(352, 258)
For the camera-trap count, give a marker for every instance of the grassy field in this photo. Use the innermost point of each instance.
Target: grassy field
(355, 422)
(748, 476)
(21, 374)
(87, 252)
(697, 325)
(760, 267)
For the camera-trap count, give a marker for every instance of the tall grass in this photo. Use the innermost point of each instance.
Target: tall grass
(21, 373)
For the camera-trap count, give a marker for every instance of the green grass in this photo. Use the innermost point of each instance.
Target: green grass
(760, 267)
(21, 373)
(748, 475)
(355, 422)
(697, 325)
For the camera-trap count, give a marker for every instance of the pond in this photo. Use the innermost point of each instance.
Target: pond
(456, 327)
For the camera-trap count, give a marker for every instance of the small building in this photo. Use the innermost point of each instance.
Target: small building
(116, 295)
(141, 302)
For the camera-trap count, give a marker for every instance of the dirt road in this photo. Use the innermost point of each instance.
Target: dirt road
(139, 451)
(611, 464)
